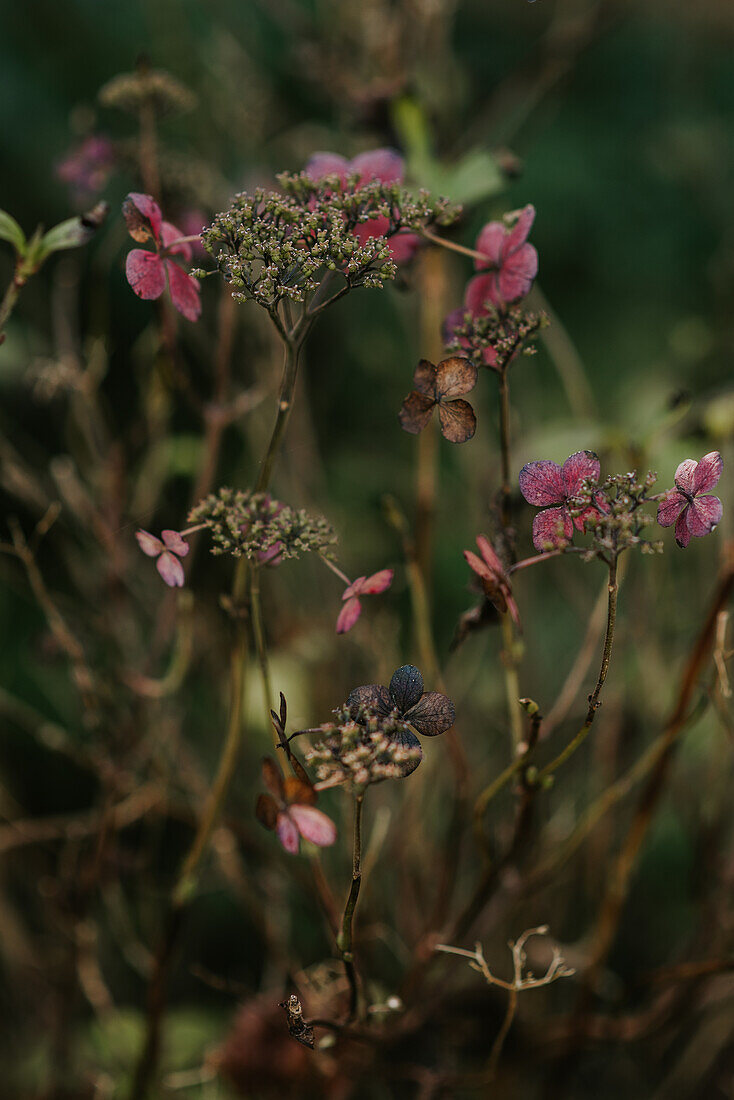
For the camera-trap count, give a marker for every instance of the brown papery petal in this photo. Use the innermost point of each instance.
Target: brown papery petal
(458, 422)
(416, 412)
(424, 378)
(266, 811)
(273, 778)
(455, 376)
(298, 791)
(434, 713)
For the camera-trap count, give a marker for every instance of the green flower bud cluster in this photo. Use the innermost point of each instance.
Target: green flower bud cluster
(502, 332)
(621, 525)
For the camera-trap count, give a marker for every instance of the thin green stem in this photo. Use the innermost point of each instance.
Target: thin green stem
(261, 650)
(505, 445)
(344, 940)
(292, 349)
(7, 305)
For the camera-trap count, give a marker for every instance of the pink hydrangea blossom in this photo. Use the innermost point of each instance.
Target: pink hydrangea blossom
(363, 586)
(289, 810)
(169, 548)
(148, 273)
(494, 578)
(88, 166)
(512, 263)
(550, 487)
(694, 512)
(385, 165)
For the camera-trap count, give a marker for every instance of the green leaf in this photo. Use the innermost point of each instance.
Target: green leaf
(71, 233)
(11, 231)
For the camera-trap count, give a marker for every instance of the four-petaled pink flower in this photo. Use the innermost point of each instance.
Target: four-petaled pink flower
(546, 483)
(495, 580)
(168, 551)
(148, 273)
(363, 586)
(384, 165)
(289, 809)
(512, 263)
(692, 513)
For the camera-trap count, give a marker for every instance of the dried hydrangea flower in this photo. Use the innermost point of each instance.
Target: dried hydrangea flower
(495, 580)
(262, 529)
(619, 520)
(547, 484)
(688, 505)
(492, 337)
(148, 273)
(360, 747)
(88, 166)
(363, 586)
(289, 809)
(512, 263)
(168, 549)
(441, 386)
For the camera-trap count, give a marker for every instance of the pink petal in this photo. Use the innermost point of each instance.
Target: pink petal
(149, 208)
(170, 569)
(384, 165)
(185, 291)
(175, 543)
(170, 233)
(480, 568)
(517, 273)
(375, 227)
(487, 551)
(580, 465)
(490, 242)
(145, 274)
(404, 246)
(378, 582)
(682, 534)
(314, 825)
(287, 831)
(348, 615)
(327, 164)
(670, 508)
(149, 544)
(272, 555)
(552, 529)
(354, 589)
(685, 475)
(479, 291)
(703, 516)
(542, 483)
(517, 236)
(708, 472)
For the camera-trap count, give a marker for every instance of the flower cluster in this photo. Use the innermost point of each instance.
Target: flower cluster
(694, 512)
(492, 337)
(564, 495)
(619, 524)
(260, 528)
(276, 245)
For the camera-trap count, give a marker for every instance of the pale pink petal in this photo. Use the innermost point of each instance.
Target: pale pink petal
(490, 243)
(479, 291)
(685, 475)
(384, 165)
(149, 544)
(175, 543)
(517, 236)
(170, 569)
(404, 246)
(348, 615)
(542, 483)
(480, 568)
(703, 515)
(327, 164)
(708, 472)
(378, 582)
(185, 291)
(670, 508)
(682, 534)
(314, 825)
(580, 465)
(552, 529)
(517, 273)
(354, 589)
(145, 274)
(287, 831)
(487, 551)
(150, 210)
(170, 233)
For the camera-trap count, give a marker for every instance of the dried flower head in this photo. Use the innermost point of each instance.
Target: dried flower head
(552, 488)
(618, 520)
(260, 528)
(289, 808)
(168, 549)
(360, 747)
(148, 273)
(492, 337)
(688, 506)
(149, 88)
(440, 387)
(496, 583)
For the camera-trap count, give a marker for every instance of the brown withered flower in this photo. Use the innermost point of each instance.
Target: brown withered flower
(442, 386)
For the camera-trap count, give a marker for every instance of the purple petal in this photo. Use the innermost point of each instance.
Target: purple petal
(517, 236)
(670, 508)
(580, 465)
(708, 472)
(682, 534)
(517, 273)
(145, 273)
(542, 483)
(287, 831)
(685, 475)
(314, 825)
(348, 615)
(490, 243)
(171, 233)
(479, 291)
(185, 291)
(175, 542)
(149, 544)
(552, 529)
(703, 515)
(408, 740)
(451, 323)
(433, 714)
(170, 569)
(406, 687)
(385, 165)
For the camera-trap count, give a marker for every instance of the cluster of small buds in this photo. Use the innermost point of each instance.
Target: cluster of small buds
(361, 747)
(260, 528)
(617, 521)
(270, 245)
(149, 88)
(493, 338)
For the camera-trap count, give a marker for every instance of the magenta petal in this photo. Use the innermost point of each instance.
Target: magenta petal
(480, 568)
(327, 164)
(552, 529)
(185, 292)
(517, 273)
(170, 233)
(287, 831)
(580, 465)
(170, 569)
(314, 825)
(685, 475)
(150, 209)
(490, 243)
(348, 615)
(682, 534)
(542, 483)
(480, 290)
(384, 165)
(487, 551)
(670, 508)
(703, 515)
(175, 543)
(378, 582)
(149, 544)
(519, 233)
(404, 246)
(145, 273)
(708, 472)
(354, 589)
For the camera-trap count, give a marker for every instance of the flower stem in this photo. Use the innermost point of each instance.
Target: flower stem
(7, 305)
(261, 650)
(344, 940)
(292, 349)
(454, 247)
(505, 445)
